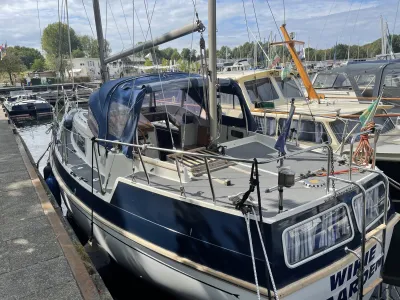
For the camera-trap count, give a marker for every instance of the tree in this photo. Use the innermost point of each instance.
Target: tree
(39, 65)
(224, 52)
(56, 34)
(185, 53)
(165, 62)
(175, 55)
(26, 54)
(11, 64)
(148, 62)
(168, 52)
(78, 53)
(90, 46)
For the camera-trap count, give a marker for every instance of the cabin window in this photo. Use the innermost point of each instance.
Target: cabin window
(289, 88)
(338, 126)
(308, 131)
(266, 125)
(317, 235)
(365, 83)
(79, 140)
(323, 81)
(374, 205)
(118, 115)
(261, 90)
(342, 81)
(93, 126)
(392, 84)
(230, 105)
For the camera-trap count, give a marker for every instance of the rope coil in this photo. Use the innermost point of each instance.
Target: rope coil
(364, 151)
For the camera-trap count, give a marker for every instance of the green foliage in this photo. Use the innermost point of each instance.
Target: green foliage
(185, 54)
(148, 63)
(26, 54)
(78, 53)
(51, 39)
(90, 46)
(39, 65)
(165, 62)
(11, 64)
(175, 55)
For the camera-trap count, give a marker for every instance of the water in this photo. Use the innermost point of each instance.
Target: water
(120, 283)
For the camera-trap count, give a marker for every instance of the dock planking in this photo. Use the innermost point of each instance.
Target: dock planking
(38, 259)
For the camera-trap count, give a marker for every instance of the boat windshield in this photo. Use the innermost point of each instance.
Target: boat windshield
(323, 81)
(337, 81)
(289, 88)
(261, 90)
(338, 125)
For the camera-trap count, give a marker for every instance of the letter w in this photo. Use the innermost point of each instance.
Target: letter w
(338, 279)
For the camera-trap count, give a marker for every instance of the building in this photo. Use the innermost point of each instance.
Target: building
(85, 67)
(90, 67)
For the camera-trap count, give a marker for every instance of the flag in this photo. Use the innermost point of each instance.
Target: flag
(369, 113)
(276, 61)
(281, 142)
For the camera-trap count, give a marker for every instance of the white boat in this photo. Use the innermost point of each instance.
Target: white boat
(27, 107)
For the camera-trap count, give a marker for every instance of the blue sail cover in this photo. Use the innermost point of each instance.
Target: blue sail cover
(114, 110)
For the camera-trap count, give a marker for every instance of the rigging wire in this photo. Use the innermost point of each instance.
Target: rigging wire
(345, 23)
(133, 31)
(116, 25)
(40, 28)
(323, 28)
(151, 18)
(245, 18)
(105, 31)
(190, 64)
(126, 22)
(158, 71)
(87, 16)
(395, 20)
(354, 27)
(273, 17)
(255, 14)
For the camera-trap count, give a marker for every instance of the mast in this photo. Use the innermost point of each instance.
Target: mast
(212, 81)
(69, 42)
(100, 39)
(383, 37)
(312, 94)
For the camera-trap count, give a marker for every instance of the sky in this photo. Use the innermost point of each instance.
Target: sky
(320, 22)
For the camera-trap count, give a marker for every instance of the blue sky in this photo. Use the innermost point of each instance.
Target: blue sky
(323, 22)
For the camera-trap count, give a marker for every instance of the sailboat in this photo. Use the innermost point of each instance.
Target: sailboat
(192, 200)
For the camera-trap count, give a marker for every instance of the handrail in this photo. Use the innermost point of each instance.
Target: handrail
(227, 158)
(363, 233)
(385, 209)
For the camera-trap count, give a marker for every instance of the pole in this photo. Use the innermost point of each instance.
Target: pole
(212, 46)
(169, 36)
(100, 39)
(383, 39)
(312, 94)
(69, 42)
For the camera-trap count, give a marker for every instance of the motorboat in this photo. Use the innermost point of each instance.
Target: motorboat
(27, 107)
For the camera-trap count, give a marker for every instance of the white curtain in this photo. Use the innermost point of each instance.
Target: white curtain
(373, 203)
(317, 235)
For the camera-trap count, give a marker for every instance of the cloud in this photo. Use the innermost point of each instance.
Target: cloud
(323, 22)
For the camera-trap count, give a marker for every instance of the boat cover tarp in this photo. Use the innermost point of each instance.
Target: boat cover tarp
(114, 110)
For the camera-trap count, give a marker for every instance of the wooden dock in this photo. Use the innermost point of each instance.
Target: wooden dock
(38, 258)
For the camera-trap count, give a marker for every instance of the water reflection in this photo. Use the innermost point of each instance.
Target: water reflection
(120, 283)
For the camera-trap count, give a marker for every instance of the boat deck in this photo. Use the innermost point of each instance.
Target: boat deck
(233, 179)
